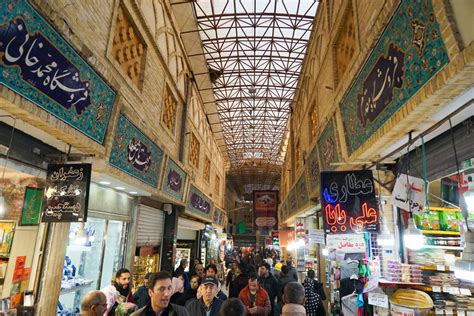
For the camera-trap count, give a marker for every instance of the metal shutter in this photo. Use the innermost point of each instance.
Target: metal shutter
(150, 226)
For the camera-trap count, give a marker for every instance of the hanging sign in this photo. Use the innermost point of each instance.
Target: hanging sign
(409, 194)
(66, 195)
(37, 63)
(265, 205)
(299, 228)
(173, 180)
(349, 202)
(347, 243)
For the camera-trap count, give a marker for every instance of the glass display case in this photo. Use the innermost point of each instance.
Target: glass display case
(94, 252)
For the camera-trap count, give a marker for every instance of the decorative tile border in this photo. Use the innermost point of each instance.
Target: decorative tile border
(409, 52)
(40, 65)
(135, 154)
(328, 146)
(199, 204)
(174, 180)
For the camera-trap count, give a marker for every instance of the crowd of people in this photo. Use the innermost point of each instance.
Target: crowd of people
(263, 287)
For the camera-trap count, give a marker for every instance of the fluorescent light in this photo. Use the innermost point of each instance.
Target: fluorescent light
(133, 192)
(385, 238)
(104, 182)
(119, 188)
(412, 237)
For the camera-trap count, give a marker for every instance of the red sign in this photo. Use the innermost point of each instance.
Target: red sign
(265, 205)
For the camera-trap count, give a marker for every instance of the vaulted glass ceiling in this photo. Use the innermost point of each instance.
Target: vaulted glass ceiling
(254, 51)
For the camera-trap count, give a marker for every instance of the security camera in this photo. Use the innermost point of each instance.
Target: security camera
(167, 208)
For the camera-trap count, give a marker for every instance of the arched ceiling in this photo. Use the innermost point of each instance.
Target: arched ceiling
(254, 50)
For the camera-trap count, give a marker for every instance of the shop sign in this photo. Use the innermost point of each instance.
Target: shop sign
(317, 236)
(40, 65)
(328, 147)
(299, 228)
(300, 259)
(409, 194)
(313, 170)
(174, 180)
(199, 204)
(349, 202)
(292, 202)
(66, 196)
(265, 205)
(347, 243)
(134, 153)
(409, 53)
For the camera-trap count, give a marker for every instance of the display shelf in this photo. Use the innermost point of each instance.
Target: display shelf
(444, 209)
(444, 247)
(439, 289)
(440, 232)
(76, 288)
(387, 282)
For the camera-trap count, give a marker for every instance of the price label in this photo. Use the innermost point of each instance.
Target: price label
(452, 290)
(440, 268)
(465, 291)
(436, 289)
(439, 311)
(378, 299)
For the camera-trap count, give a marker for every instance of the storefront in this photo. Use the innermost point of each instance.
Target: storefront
(187, 245)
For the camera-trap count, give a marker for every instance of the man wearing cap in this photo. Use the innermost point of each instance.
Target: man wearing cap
(208, 304)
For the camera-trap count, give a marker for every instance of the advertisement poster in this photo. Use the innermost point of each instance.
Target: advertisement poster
(265, 205)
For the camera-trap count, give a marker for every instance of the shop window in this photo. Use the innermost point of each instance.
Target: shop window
(170, 106)
(217, 185)
(128, 48)
(345, 43)
(194, 147)
(207, 169)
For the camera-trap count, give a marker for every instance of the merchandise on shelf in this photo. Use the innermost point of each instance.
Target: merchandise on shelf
(449, 221)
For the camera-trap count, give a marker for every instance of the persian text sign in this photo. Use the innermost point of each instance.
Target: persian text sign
(39, 64)
(409, 194)
(265, 204)
(349, 202)
(348, 243)
(199, 204)
(218, 217)
(173, 180)
(66, 195)
(135, 154)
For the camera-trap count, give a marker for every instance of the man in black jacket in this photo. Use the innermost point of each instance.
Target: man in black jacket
(208, 304)
(141, 297)
(269, 283)
(160, 290)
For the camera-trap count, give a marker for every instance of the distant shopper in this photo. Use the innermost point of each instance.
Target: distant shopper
(119, 292)
(178, 287)
(285, 278)
(255, 298)
(232, 307)
(208, 304)
(293, 300)
(140, 297)
(269, 283)
(180, 270)
(160, 290)
(314, 296)
(314, 284)
(236, 280)
(190, 293)
(211, 271)
(94, 303)
(199, 270)
(292, 270)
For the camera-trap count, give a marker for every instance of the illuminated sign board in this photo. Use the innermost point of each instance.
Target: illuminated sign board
(349, 202)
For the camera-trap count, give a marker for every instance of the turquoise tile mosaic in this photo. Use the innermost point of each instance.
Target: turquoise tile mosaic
(328, 147)
(198, 203)
(174, 180)
(39, 64)
(135, 154)
(409, 52)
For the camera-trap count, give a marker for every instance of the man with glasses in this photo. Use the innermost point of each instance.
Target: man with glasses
(160, 291)
(94, 303)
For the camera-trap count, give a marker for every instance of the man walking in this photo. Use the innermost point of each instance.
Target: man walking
(119, 292)
(269, 283)
(94, 303)
(211, 271)
(293, 300)
(160, 290)
(140, 297)
(208, 304)
(255, 298)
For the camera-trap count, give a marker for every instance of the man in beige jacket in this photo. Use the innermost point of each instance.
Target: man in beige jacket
(293, 300)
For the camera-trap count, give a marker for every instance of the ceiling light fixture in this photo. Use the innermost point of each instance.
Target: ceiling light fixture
(119, 188)
(104, 182)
